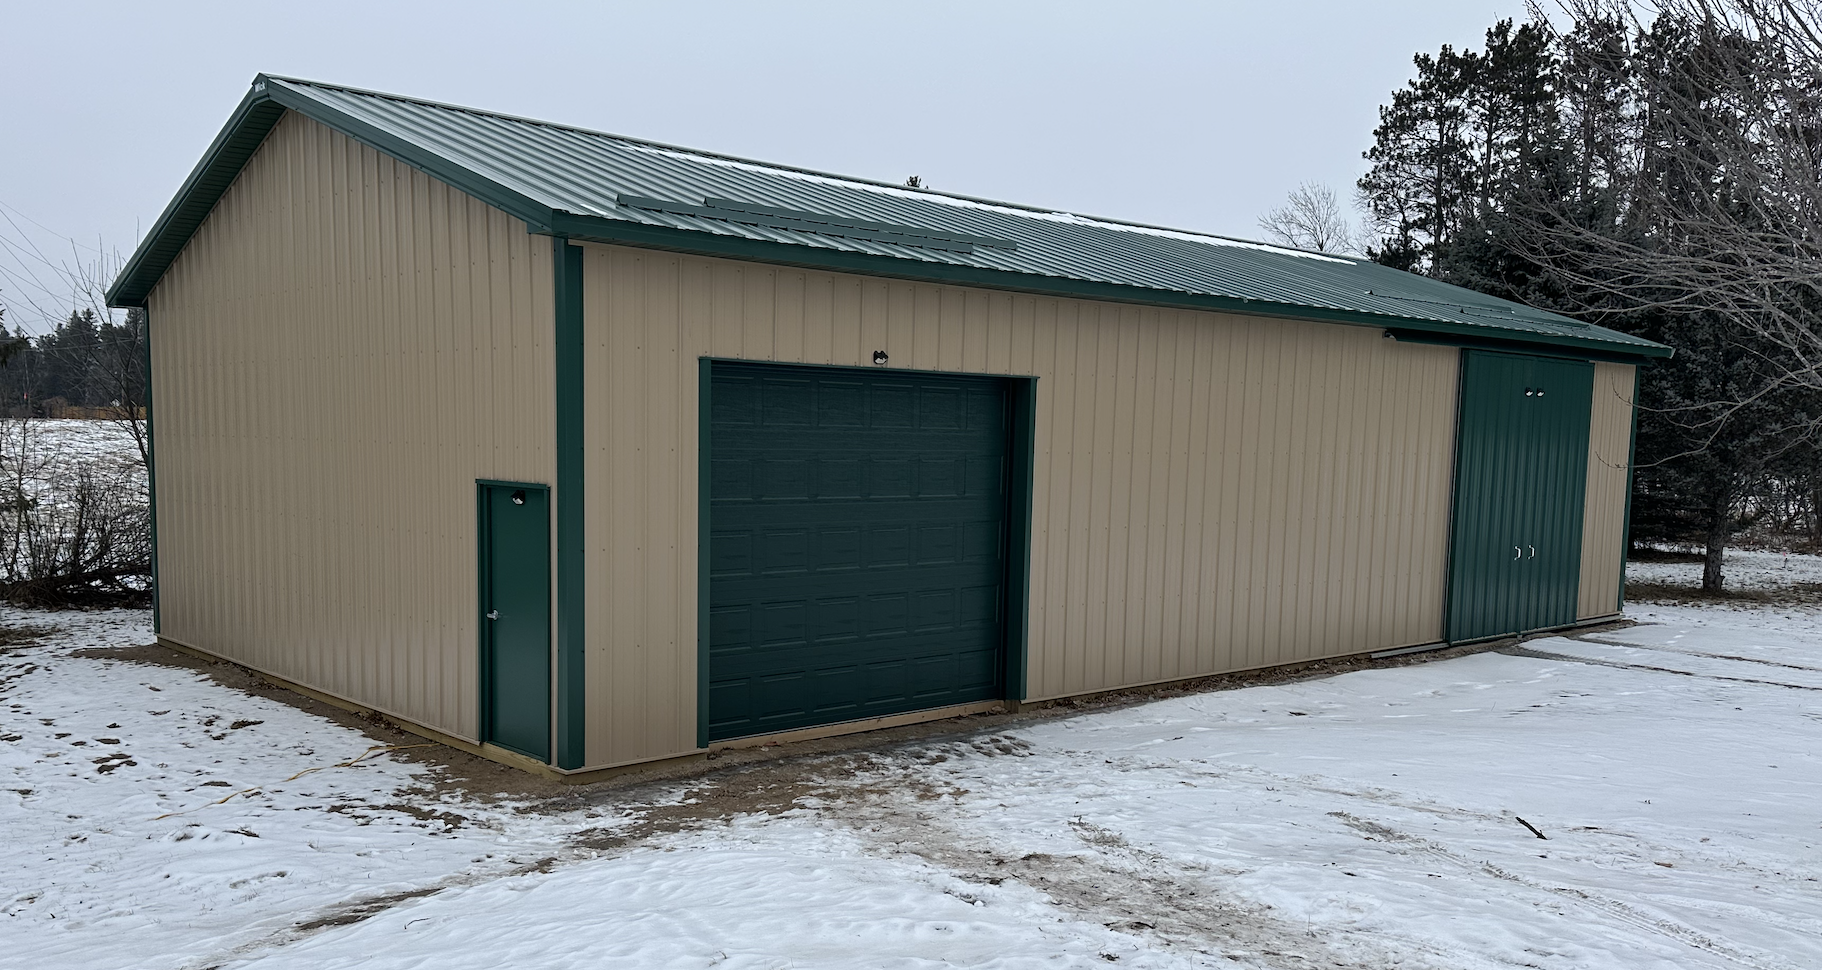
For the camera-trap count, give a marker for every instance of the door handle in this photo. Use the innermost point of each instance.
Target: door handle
(1533, 552)
(493, 614)
(1517, 554)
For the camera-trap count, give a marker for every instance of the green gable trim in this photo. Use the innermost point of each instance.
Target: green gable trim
(572, 541)
(246, 128)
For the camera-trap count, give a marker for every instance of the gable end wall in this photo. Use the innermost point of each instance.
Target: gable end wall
(341, 350)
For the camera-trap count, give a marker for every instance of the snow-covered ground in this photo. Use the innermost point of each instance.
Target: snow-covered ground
(1741, 570)
(71, 440)
(1369, 819)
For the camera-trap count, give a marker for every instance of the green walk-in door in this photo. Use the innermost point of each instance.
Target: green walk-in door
(515, 617)
(1521, 471)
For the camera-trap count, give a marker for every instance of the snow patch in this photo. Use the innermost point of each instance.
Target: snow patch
(957, 202)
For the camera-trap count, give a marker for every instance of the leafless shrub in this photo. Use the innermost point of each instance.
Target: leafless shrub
(75, 529)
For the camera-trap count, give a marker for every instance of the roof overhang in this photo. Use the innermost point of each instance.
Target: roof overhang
(620, 233)
(270, 97)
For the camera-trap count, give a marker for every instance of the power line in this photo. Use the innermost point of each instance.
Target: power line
(15, 210)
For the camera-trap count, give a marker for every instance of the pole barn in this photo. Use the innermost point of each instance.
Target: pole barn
(581, 452)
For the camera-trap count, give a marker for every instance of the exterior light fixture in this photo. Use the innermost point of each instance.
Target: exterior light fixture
(518, 497)
(879, 357)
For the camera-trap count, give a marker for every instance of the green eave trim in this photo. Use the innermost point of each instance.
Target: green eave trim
(246, 129)
(1514, 343)
(622, 233)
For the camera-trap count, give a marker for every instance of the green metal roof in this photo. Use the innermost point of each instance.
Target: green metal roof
(588, 185)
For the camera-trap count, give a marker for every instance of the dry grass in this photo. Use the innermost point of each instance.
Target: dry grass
(24, 634)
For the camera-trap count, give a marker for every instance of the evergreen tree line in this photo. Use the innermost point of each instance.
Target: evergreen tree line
(87, 362)
(1655, 177)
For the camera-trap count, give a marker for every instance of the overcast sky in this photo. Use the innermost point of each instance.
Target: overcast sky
(1194, 115)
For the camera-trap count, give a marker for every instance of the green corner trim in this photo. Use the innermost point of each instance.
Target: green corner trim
(571, 539)
(703, 418)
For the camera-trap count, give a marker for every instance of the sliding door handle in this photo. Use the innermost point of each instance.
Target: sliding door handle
(1533, 552)
(1517, 554)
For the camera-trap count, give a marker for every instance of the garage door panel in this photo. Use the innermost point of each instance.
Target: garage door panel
(731, 479)
(761, 589)
(857, 537)
(736, 402)
(844, 513)
(731, 554)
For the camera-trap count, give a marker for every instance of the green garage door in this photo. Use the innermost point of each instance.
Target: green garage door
(857, 550)
(1521, 472)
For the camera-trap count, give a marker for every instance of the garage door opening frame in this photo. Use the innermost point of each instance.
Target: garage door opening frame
(1021, 395)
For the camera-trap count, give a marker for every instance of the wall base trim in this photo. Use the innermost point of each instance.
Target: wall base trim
(491, 752)
(865, 724)
(1546, 630)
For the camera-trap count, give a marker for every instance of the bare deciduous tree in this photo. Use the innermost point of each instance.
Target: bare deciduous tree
(74, 529)
(1311, 218)
(1723, 212)
(119, 373)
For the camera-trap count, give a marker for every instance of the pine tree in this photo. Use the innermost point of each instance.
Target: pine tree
(1423, 165)
(1520, 169)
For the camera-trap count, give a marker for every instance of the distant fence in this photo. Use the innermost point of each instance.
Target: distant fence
(58, 408)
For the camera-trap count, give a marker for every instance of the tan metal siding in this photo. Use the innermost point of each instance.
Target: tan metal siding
(341, 350)
(1212, 492)
(1604, 518)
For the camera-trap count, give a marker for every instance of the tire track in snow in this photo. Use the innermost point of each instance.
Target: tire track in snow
(1636, 847)
(1696, 653)
(363, 908)
(1622, 665)
(1128, 888)
(1622, 911)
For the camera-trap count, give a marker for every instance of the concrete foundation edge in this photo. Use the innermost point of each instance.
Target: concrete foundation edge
(580, 776)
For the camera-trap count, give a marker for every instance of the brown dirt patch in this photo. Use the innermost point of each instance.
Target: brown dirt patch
(25, 634)
(768, 779)
(1796, 594)
(475, 776)
(1654, 554)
